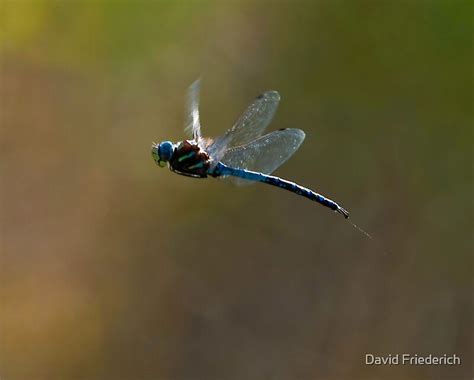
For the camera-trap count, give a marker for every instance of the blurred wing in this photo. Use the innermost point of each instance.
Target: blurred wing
(264, 154)
(193, 126)
(250, 125)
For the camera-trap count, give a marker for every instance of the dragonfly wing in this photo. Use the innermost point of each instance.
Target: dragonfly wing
(249, 126)
(193, 125)
(266, 153)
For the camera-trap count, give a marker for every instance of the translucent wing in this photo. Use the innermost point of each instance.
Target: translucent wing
(264, 154)
(250, 125)
(193, 126)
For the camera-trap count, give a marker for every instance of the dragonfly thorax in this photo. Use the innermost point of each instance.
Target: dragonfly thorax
(189, 159)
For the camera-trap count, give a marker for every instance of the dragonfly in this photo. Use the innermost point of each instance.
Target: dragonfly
(243, 154)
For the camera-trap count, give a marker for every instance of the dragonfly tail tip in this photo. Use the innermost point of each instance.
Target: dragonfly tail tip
(345, 213)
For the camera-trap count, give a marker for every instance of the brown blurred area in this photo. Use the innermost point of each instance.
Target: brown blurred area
(111, 268)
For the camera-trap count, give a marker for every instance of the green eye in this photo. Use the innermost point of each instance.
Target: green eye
(161, 164)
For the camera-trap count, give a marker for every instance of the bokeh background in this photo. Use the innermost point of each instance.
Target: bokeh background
(112, 268)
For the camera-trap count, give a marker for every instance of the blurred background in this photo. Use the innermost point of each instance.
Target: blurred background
(112, 268)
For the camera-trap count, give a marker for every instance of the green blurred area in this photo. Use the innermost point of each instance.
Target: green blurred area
(112, 268)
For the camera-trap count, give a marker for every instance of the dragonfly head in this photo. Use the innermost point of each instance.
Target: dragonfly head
(162, 152)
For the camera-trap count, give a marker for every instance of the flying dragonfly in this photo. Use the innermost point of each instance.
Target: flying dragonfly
(243, 153)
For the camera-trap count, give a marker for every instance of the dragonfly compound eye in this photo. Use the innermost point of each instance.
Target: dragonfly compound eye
(162, 152)
(165, 150)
